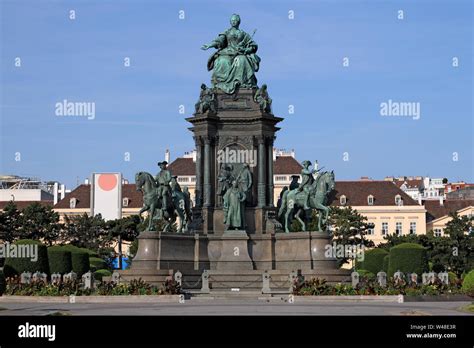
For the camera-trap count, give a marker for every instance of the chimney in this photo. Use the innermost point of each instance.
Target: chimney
(274, 154)
(56, 192)
(420, 200)
(441, 200)
(194, 155)
(167, 155)
(86, 181)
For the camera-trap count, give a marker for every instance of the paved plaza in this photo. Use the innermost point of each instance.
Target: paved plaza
(237, 307)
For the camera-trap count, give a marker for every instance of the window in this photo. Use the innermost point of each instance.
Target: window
(72, 203)
(343, 200)
(370, 231)
(125, 202)
(438, 232)
(280, 178)
(398, 200)
(370, 200)
(193, 179)
(384, 228)
(412, 227)
(398, 228)
(183, 179)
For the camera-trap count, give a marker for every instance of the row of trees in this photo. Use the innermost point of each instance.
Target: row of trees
(38, 222)
(452, 252)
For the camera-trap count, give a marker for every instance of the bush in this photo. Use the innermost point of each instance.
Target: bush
(453, 278)
(60, 260)
(102, 273)
(365, 274)
(16, 265)
(386, 260)
(373, 260)
(80, 262)
(468, 284)
(97, 263)
(73, 248)
(438, 267)
(2, 283)
(407, 258)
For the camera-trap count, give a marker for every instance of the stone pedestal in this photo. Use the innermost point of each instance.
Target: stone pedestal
(229, 251)
(164, 251)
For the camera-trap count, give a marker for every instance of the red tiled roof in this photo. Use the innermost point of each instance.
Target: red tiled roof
(436, 210)
(20, 205)
(83, 194)
(182, 166)
(283, 165)
(286, 165)
(356, 193)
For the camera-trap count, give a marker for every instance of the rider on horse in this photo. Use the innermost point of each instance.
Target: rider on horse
(163, 179)
(308, 179)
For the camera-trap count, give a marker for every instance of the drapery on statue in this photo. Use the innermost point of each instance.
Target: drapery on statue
(234, 207)
(245, 180)
(263, 99)
(207, 101)
(235, 61)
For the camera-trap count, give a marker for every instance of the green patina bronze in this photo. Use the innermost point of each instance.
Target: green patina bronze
(235, 62)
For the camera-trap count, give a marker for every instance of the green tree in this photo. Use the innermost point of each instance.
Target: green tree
(349, 228)
(38, 222)
(124, 229)
(460, 256)
(86, 231)
(9, 222)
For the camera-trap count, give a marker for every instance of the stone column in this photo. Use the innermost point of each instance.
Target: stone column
(207, 172)
(198, 192)
(261, 172)
(270, 171)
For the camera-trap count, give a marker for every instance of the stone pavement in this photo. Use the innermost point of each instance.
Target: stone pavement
(198, 306)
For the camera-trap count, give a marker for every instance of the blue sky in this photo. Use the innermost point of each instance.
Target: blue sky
(337, 109)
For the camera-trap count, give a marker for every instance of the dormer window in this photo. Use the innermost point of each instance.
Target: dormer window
(343, 200)
(398, 200)
(370, 200)
(72, 203)
(125, 202)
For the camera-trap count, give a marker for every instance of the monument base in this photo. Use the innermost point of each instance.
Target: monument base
(229, 251)
(165, 251)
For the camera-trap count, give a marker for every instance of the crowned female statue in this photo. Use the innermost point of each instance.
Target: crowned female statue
(235, 61)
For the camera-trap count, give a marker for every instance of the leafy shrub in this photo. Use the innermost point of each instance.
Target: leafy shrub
(365, 275)
(102, 273)
(80, 262)
(407, 258)
(16, 265)
(468, 284)
(60, 260)
(73, 248)
(97, 263)
(386, 261)
(373, 260)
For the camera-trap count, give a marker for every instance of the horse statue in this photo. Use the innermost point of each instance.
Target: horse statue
(152, 202)
(293, 202)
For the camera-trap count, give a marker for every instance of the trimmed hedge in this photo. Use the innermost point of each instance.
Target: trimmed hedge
(3, 284)
(15, 266)
(386, 260)
(97, 263)
(60, 260)
(407, 258)
(80, 262)
(73, 248)
(373, 260)
(363, 273)
(468, 284)
(102, 273)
